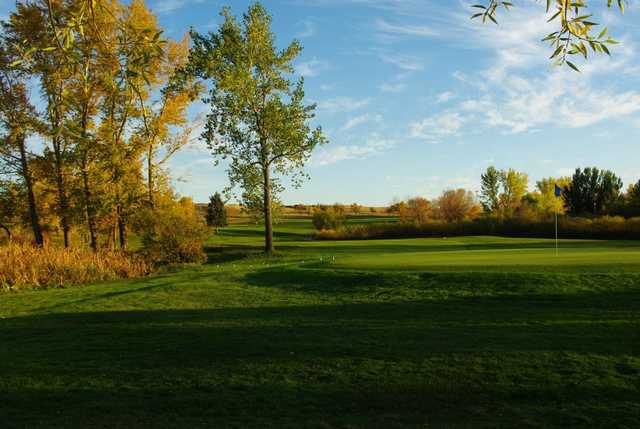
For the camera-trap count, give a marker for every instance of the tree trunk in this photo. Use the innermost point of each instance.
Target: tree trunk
(88, 197)
(63, 202)
(88, 204)
(122, 229)
(33, 208)
(7, 230)
(268, 222)
(150, 177)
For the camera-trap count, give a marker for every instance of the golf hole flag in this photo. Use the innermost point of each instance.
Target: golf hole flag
(558, 191)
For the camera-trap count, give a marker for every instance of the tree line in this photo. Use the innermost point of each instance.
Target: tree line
(589, 192)
(88, 117)
(504, 194)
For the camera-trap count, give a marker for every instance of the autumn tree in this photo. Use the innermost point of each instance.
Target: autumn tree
(576, 33)
(514, 187)
(17, 122)
(52, 70)
(457, 205)
(10, 202)
(416, 209)
(546, 200)
(258, 119)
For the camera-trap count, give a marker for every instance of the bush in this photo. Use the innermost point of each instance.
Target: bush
(172, 234)
(327, 219)
(605, 228)
(24, 266)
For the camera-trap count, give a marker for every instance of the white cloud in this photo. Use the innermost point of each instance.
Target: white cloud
(406, 30)
(444, 97)
(437, 127)
(403, 62)
(312, 68)
(519, 91)
(360, 120)
(343, 104)
(330, 155)
(393, 87)
(560, 99)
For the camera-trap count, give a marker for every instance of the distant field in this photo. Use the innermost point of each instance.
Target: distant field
(466, 332)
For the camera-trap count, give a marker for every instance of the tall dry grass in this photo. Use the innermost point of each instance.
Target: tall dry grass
(23, 266)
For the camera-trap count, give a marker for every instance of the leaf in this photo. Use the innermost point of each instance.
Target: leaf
(573, 66)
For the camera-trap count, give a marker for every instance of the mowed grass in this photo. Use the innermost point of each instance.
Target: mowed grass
(465, 332)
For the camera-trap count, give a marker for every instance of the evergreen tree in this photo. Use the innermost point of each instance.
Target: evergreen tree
(216, 213)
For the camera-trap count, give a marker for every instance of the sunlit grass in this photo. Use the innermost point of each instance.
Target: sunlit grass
(467, 332)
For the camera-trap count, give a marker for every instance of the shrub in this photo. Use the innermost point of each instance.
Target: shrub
(172, 234)
(612, 228)
(327, 219)
(24, 266)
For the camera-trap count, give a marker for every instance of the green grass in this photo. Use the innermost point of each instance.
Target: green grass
(465, 332)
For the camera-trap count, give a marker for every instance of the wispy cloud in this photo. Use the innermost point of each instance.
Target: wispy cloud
(435, 128)
(405, 29)
(374, 145)
(313, 67)
(403, 62)
(443, 97)
(393, 87)
(343, 104)
(360, 120)
(520, 92)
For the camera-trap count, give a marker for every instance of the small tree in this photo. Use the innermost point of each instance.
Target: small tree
(456, 206)
(216, 212)
(327, 219)
(258, 119)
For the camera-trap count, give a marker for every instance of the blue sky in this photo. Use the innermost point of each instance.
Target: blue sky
(416, 98)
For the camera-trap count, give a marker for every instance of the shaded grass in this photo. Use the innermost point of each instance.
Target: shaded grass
(296, 341)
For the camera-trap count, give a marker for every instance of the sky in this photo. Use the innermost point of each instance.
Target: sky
(416, 98)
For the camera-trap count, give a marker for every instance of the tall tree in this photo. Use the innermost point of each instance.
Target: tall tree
(51, 68)
(17, 121)
(258, 118)
(490, 190)
(514, 188)
(592, 191)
